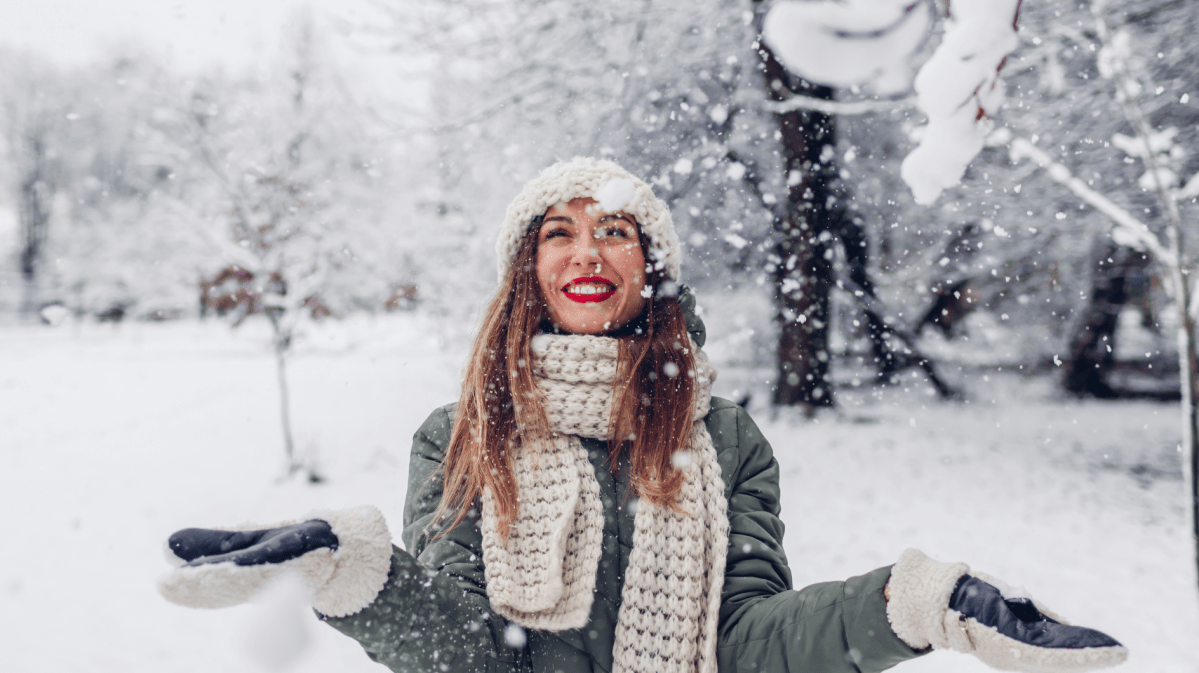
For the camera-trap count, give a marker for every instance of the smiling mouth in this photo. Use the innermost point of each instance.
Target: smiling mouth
(586, 290)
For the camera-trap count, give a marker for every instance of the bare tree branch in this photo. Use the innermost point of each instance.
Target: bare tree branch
(839, 107)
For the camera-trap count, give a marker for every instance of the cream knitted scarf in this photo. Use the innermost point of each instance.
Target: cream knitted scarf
(544, 577)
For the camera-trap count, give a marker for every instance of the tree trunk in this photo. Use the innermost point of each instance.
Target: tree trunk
(802, 264)
(1092, 349)
(1190, 397)
(36, 193)
(282, 344)
(1188, 363)
(285, 410)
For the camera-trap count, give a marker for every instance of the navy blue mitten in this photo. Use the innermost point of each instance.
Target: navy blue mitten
(198, 546)
(342, 557)
(939, 605)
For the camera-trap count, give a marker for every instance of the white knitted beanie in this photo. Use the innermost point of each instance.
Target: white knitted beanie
(613, 187)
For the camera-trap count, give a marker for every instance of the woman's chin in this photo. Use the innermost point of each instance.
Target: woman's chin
(586, 324)
(587, 328)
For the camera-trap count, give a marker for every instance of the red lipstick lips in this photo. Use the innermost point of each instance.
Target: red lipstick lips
(588, 297)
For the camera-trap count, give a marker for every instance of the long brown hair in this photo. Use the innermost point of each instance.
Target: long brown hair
(501, 404)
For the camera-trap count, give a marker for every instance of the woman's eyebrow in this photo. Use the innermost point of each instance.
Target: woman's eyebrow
(558, 218)
(618, 216)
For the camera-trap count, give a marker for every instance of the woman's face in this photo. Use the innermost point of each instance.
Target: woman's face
(590, 267)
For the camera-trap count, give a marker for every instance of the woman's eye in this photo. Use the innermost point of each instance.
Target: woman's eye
(607, 232)
(554, 233)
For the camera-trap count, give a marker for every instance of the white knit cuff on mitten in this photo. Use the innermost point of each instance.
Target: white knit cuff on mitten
(342, 581)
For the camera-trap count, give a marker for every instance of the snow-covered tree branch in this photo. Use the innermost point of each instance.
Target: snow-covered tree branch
(1128, 229)
(959, 89)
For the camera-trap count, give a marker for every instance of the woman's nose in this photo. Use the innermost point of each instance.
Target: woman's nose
(585, 251)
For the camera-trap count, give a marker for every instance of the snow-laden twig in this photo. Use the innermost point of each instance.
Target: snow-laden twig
(837, 107)
(1129, 230)
(302, 289)
(1113, 64)
(225, 247)
(1188, 191)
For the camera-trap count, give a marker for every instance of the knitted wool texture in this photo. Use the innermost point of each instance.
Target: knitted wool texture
(544, 576)
(585, 177)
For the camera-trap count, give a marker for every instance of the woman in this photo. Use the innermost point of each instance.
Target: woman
(588, 506)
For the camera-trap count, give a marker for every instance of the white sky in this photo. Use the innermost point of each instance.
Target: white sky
(190, 35)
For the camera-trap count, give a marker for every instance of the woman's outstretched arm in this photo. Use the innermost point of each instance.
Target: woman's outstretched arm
(851, 626)
(433, 613)
(836, 627)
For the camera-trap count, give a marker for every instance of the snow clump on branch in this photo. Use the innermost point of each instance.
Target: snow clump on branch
(848, 43)
(958, 88)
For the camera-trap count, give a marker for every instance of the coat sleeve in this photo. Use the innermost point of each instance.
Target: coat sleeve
(433, 613)
(833, 627)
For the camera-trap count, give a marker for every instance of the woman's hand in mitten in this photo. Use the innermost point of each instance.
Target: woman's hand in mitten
(940, 605)
(343, 557)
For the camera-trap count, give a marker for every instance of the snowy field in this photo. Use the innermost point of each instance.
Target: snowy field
(110, 439)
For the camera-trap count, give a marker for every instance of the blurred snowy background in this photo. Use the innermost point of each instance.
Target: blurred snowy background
(209, 209)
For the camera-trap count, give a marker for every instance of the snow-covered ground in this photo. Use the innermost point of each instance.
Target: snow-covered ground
(110, 439)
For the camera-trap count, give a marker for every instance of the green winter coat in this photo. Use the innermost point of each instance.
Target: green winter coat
(433, 614)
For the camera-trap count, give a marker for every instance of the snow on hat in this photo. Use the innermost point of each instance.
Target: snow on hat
(613, 187)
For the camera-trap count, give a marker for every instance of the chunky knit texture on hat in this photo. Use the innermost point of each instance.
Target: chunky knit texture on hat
(583, 177)
(544, 576)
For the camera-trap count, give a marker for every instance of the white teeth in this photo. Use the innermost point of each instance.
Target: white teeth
(589, 288)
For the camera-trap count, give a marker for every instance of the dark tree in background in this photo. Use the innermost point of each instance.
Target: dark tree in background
(32, 121)
(35, 194)
(803, 254)
(814, 218)
(1092, 353)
